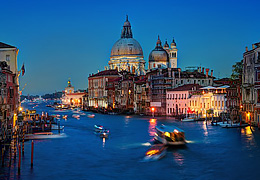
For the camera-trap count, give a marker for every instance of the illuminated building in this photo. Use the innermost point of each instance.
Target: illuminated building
(177, 99)
(251, 84)
(127, 53)
(208, 99)
(98, 88)
(72, 98)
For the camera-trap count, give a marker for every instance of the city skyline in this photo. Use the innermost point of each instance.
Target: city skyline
(76, 40)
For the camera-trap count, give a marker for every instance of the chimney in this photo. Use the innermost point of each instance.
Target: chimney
(198, 69)
(179, 73)
(246, 48)
(202, 70)
(207, 72)
(253, 46)
(211, 73)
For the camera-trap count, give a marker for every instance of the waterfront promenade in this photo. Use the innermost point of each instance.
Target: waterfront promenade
(212, 152)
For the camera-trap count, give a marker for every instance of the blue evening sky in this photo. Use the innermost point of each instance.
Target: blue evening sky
(61, 39)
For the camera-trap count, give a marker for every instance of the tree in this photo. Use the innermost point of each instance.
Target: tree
(237, 70)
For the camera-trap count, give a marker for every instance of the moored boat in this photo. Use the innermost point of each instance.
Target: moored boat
(170, 135)
(43, 135)
(56, 127)
(156, 152)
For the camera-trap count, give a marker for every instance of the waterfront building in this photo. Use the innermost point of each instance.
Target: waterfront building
(127, 53)
(72, 98)
(208, 101)
(9, 54)
(178, 99)
(124, 92)
(140, 94)
(251, 84)
(98, 88)
(9, 98)
(233, 95)
(162, 79)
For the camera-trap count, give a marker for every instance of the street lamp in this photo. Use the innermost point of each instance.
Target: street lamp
(153, 109)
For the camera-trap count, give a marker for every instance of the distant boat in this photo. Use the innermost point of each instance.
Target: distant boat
(104, 133)
(98, 128)
(156, 152)
(91, 115)
(76, 116)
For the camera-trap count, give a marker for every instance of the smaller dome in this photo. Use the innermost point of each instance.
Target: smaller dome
(159, 54)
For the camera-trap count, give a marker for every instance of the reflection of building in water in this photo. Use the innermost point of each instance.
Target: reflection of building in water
(72, 98)
(178, 158)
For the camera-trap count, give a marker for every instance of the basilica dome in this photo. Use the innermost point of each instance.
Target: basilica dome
(159, 54)
(126, 47)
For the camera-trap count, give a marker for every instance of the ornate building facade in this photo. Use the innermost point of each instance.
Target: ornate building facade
(127, 53)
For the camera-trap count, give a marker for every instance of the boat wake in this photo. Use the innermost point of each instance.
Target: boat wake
(135, 145)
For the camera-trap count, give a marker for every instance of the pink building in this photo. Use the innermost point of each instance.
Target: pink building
(177, 99)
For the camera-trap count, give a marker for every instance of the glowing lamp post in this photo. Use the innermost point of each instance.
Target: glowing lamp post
(153, 109)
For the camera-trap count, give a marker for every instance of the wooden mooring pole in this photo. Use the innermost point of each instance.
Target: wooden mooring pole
(19, 163)
(32, 154)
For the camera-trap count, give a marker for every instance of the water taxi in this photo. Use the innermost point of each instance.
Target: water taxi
(156, 152)
(169, 135)
(98, 128)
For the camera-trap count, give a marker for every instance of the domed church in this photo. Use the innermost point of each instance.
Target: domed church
(127, 53)
(163, 56)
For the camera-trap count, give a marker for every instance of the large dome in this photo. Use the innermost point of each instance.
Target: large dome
(126, 47)
(159, 54)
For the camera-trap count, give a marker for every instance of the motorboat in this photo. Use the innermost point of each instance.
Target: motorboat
(91, 115)
(56, 127)
(233, 125)
(77, 116)
(156, 152)
(191, 118)
(43, 135)
(188, 119)
(104, 133)
(64, 116)
(169, 135)
(98, 128)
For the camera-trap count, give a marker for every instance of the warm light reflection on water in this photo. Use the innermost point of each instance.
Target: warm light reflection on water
(104, 142)
(248, 134)
(205, 128)
(151, 128)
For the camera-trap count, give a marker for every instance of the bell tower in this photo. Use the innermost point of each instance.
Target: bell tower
(173, 51)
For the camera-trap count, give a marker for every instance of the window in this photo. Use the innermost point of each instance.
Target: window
(194, 81)
(7, 57)
(202, 81)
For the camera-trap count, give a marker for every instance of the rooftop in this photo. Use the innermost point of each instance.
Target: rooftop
(3, 45)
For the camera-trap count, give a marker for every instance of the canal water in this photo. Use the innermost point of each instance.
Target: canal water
(211, 152)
